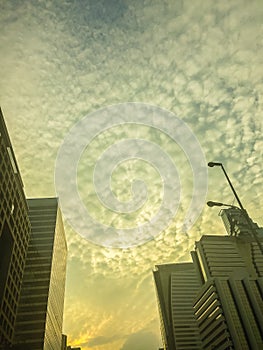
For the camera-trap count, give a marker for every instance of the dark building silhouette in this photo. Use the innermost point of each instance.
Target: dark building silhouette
(14, 235)
(64, 342)
(40, 312)
(32, 262)
(65, 346)
(215, 302)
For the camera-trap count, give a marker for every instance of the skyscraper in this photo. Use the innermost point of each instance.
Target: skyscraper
(227, 287)
(40, 311)
(14, 235)
(176, 286)
(32, 261)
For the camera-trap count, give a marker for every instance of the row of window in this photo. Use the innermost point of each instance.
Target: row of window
(6, 328)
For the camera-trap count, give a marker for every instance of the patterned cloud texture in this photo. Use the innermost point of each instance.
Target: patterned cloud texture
(200, 60)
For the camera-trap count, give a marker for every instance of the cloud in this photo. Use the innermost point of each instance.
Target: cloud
(203, 61)
(97, 341)
(142, 340)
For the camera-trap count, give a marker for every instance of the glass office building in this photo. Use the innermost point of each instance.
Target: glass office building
(40, 312)
(32, 261)
(14, 236)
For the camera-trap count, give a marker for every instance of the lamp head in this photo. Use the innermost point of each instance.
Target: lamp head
(214, 204)
(212, 164)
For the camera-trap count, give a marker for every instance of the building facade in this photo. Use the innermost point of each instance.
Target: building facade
(40, 312)
(14, 236)
(32, 261)
(226, 310)
(176, 287)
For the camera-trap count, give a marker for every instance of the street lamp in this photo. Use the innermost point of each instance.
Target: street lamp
(211, 165)
(219, 204)
(212, 204)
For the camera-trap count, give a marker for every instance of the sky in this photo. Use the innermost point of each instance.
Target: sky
(116, 106)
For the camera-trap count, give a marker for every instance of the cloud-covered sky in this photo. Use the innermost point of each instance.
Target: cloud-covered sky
(200, 60)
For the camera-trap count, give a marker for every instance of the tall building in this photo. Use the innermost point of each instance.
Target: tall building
(14, 236)
(40, 312)
(176, 286)
(32, 262)
(225, 305)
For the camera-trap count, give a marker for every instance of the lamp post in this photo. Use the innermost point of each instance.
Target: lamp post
(211, 165)
(243, 210)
